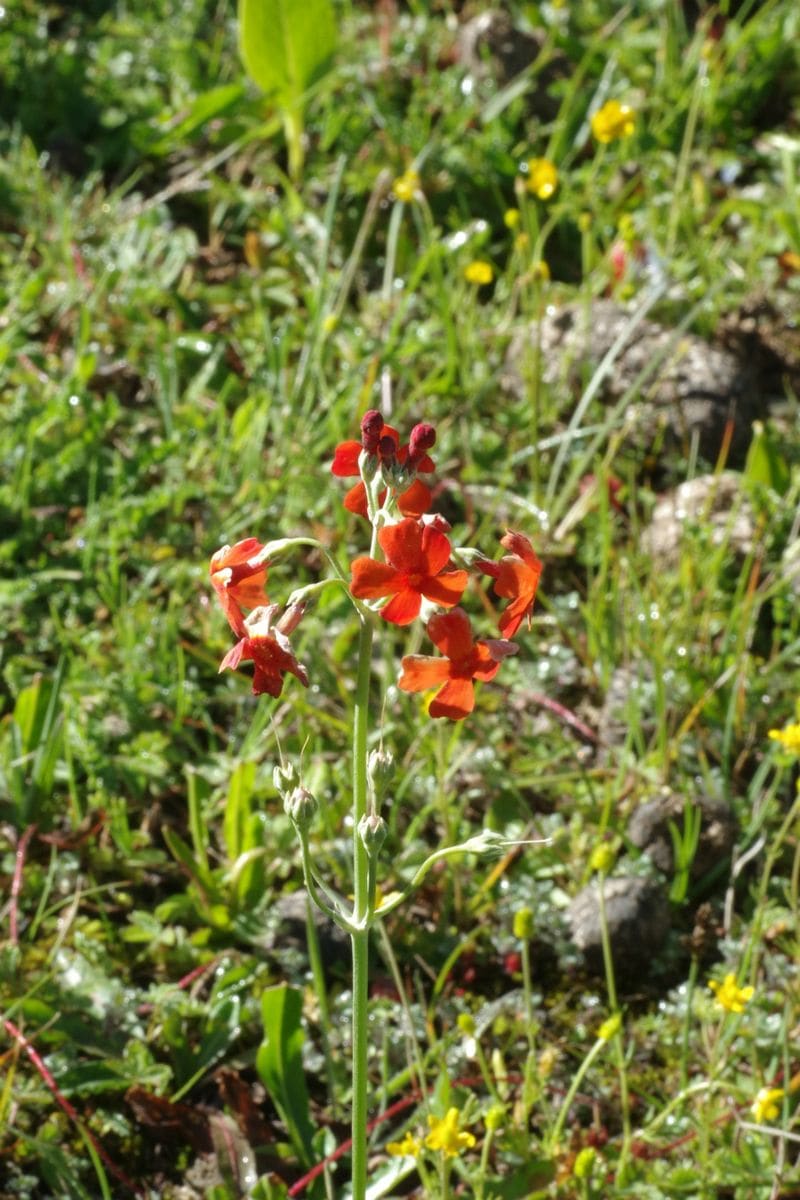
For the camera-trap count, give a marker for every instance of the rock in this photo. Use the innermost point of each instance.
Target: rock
(637, 914)
(287, 929)
(492, 45)
(765, 331)
(631, 694)
(715, 501)
(648, 830)
(693, 390)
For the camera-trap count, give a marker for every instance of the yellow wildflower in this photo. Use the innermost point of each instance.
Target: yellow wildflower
(542, 177)
(478, 272)
(613, 120)
(407, 1147)
(406, 186)
(511, 218)
(767, 1104)
(789, 737)
(729, 995)
(446, 1136)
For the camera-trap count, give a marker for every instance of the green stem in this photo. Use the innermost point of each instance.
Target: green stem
(619, 1047)
(361, 913)
(293, 131)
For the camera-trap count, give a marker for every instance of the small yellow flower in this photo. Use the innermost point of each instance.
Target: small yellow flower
(511, 218)
(446, 1136)
(729, 995)
(406, 186)
(407, 1147)
(789, 738)
(542, 177)
(613, 120)
(478, 272)
(767, 1104)
(609, 1028)
(540, 270)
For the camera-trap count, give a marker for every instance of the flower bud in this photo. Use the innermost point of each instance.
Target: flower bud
(387, 451)
(602, 857)
(300, 807)
(584, 1162)
(495, 1117)
(466, 1022)
(284, 778)
(423, 437)
(291, 618)
(380, 766)
(523, 924)
(372, 831)
(371, 430)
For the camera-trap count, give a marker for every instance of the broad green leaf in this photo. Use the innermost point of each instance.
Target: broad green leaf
(765, 462)
(286, 45)
(238, 808)
(280, 1065)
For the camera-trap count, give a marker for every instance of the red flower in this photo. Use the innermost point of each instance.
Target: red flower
(383, 442)
(464, 661)
(268, 648)
(516, 578)
(415, 557)
(238, 577)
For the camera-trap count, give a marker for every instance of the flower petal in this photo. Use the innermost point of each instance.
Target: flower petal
(370, 579)
(402, 545)
(421, 671)
(415, 500)
(234, 656)
(446, 589)
(451, 633)
(356, 500)
(231, 556)
(345, 459)
(455, 700)
(403, 608)
(435, 551)
(520, 545)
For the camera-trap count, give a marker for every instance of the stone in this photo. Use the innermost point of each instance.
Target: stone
(638, 919)
(287, 929)
(717, 502)
(491, 45)
(648, 830)
(692, 389)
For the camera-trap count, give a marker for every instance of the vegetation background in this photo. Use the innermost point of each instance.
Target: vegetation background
(187, 332)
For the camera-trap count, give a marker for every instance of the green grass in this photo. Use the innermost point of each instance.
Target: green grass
(185, 338)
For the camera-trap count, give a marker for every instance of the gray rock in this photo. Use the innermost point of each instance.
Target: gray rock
(492, 45)
(648, 830)
(287, 930)
(693, 388)
(637, 914)
(716, 501)
(630, 697)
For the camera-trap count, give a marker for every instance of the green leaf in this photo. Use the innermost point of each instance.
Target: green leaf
(765, 464)
(280, 1066)
(286, 45)
(238, 808)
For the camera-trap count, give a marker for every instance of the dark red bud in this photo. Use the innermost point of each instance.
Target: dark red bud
(387, 449)
(371, 430)
(422, 438)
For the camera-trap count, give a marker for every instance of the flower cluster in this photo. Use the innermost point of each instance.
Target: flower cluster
(238, 576)
(412, 572)
(445, 1135)
(415, 574)
(730, 996)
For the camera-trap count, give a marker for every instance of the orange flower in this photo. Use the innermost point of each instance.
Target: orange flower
(464, 661)
(383, 442)
(267, 647)
(416, 555)
(516, 578)
(238, 576)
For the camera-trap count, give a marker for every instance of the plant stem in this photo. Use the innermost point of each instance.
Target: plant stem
(361, 913)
